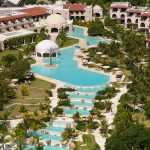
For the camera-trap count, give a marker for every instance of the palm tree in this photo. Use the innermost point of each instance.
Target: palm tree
(19, 136)
(23, 109)
(108, 105)
(69, 134)
(61, 37)
(4, 125)
(104, 126)
(76, 117)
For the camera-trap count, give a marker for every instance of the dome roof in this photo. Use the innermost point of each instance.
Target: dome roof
(59, 3)
(46, 46)
(55, 19)
(97, 7)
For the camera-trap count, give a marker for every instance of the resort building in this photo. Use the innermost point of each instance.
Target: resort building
(83, 11)
(20, 22)
(24, 21)
(74, 11)
(118, 11)
(144, 21)
(12, 3)
(147, 42)
(131, 16)
(56, 25)
(45, 48)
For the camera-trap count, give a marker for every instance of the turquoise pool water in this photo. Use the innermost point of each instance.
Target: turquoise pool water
(81, 111)
(78, 32)
(47, 147)
(90, 89)
(67, 69)
(81, 96)
(55, 129)
(79, 103)
(45, 136)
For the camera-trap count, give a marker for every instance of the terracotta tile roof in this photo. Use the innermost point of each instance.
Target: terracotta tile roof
(74, 7)
(147, 40)
(27, 12)
(145, 15)
(119, 6)
(134, 10)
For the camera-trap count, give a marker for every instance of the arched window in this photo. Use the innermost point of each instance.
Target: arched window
(39, 54)
(114, 16)
(54, 30)
(122, 16)
(136, 21)
(58, 13)
(45, 55)
(142, 24)
(128, 20)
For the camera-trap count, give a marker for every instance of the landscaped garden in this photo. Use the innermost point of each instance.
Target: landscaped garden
(129, 128)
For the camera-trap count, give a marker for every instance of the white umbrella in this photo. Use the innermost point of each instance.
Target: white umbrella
(99, 53)
(116, 69)
(104, 56)
(106, 67)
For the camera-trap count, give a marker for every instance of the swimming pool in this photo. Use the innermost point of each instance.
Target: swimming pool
(78, 32)
(86, 96)
(45, 136)
(72, 111)
(46, 147)
(90, 89)
(67, 69)
(79, 103)
(55, 129)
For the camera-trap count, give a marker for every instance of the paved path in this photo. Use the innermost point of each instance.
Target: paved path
(109, 117)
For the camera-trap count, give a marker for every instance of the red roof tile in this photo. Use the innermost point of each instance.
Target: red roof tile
(134, 10)
(27, 12)
(147, 40)
(75, 7)
(119, 6)
(145, 15)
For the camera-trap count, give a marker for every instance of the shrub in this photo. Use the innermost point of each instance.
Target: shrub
(24, 90)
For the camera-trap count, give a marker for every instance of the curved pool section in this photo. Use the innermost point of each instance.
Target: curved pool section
(67, 69)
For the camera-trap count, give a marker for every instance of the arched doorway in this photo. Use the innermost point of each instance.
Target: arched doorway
(66, 29)
(97, 15)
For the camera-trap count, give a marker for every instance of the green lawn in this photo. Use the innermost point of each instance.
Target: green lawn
(70, 41)
(36, 92)
(36, 95)
(87, 144)
(15, 110)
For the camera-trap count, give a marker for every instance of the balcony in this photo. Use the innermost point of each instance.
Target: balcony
(144, 19)
(123, 10)
(114, 9)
